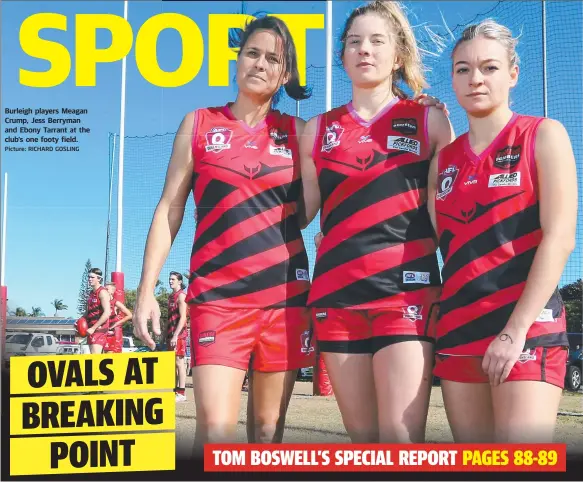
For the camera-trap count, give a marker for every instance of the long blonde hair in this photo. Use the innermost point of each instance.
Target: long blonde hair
(411, 70)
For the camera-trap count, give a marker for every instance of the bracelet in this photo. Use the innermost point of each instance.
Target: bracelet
(504, 337)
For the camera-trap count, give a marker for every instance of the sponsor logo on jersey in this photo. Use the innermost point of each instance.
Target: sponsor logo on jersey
(302, 275)
(445, 182)
(279, 137)
(545, 316)
(404, 144)
(250, 145)
(364, 139)
(504, 180)
(320, 315)
(508, 157)
(405, 126)
(218, 139)
(332, 137)
(413, 312)
(471, 180)
(306, 342)
(527, 355)
(280, 151)
(206, 338)
(416, 277)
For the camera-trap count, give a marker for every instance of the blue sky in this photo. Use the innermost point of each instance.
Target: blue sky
(58, 202)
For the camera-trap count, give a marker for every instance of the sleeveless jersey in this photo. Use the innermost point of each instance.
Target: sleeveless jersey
(174, 316)
(487, 212)
(94, 309)
(114, 316)
(248, 248)
(379, 248)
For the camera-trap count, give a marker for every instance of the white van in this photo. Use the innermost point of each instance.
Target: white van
(30, 344)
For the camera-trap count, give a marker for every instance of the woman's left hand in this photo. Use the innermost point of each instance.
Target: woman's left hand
(502, 355)
(429, 100)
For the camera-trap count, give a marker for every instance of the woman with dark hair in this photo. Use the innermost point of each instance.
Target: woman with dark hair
(98, 312)
(249, 268)
(176, 330)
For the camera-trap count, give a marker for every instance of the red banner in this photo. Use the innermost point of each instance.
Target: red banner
(385, 458)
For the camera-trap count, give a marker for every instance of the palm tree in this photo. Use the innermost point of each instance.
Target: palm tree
(59, 306)
(36, 311)
(20, 312)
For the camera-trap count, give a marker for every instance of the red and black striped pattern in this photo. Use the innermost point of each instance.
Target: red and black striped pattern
(379, 249)
(248, 248)
(174, 316)
(94, 308)
(487, 211)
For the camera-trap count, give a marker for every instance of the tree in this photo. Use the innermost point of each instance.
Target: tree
(36, 311)
(572, 295)
(20, 312)
(59, 306)
(85, 290)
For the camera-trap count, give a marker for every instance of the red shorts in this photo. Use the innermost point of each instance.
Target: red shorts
(114, 341)
(279, 339)
(544, 364)
(340, 330)
(180, 348)
(98, 338)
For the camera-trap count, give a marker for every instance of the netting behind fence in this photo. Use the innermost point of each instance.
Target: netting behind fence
(146, 158)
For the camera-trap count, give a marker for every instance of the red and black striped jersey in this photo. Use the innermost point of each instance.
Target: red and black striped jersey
(487, 212)
(248, 248)
(379, 248)
(94, 308)
(115, 316)
(174, 316)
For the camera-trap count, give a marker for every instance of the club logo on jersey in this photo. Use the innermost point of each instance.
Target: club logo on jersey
(364, 139)
(280, 151)
(413, 312)
(321, 315)
(404, 144)
(527, 355)
(405, 126)
(302, 275)
(252, 171)
(508, 157)
(504, 180)
(278, 136)
(545, 316)
(206, 338)
(218, 139)
(445, 182)
(416, 277)
(306, 341)
(332, 137)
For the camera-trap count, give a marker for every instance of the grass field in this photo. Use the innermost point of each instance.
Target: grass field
(317, 419)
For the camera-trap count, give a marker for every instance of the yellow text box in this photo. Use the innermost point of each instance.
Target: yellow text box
(98, 453)
(99, 413)
(92, 373)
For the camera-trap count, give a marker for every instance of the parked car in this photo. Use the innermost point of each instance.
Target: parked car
(128, 344)
(30, 344)
(305, 374)
(574, 369)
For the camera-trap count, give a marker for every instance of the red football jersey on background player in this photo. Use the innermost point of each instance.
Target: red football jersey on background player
(248, 248)
(94, 309)
(379, 248)
(487, 211)
(174, 316)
